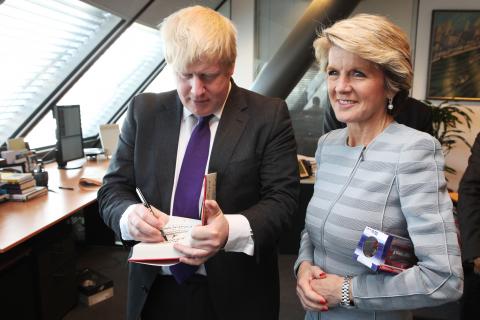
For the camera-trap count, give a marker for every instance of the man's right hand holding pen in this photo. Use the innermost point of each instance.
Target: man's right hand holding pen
(145, 226)
(145, 222)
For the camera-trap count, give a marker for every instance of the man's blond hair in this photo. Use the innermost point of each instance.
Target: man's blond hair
(198, 34)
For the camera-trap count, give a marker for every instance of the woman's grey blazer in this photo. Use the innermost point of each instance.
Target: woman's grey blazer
(395, 184)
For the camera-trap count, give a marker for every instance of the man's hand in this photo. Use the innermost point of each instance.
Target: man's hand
(476, 265)
(145, 226)
(310, 299)
(206, 240)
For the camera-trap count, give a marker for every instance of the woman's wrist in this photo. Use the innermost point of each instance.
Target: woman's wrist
(302, 266)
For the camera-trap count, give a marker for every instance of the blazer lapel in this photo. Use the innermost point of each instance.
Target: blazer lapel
(231, 126)
(165, 146)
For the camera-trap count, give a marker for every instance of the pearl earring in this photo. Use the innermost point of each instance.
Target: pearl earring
(390, 104)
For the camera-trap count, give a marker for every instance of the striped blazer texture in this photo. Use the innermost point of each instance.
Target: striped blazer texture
(395, 184)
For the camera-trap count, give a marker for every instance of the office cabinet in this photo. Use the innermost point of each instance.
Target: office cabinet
(54, 254)
(17, 294)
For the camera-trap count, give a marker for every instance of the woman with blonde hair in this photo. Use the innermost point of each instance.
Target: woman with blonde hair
(374, 173)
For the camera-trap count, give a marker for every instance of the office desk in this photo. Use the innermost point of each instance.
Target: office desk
(37, 249)
(20, 221)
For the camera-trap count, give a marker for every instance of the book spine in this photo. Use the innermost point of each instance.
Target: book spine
(20, 191)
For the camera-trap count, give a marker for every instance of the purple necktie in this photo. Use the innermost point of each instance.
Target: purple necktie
(189, 185)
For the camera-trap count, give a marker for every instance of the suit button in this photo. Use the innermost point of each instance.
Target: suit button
(144, 289)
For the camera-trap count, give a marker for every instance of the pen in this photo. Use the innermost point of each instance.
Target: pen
(147, 205)
(65, 188)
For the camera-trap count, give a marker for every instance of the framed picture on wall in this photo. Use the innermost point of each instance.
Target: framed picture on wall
(454, 59)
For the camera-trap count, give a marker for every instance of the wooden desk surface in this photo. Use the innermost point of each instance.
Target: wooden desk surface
(19, 221)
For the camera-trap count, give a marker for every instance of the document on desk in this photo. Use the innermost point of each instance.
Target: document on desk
(178, 229)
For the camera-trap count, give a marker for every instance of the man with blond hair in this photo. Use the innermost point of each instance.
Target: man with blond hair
(167, 143)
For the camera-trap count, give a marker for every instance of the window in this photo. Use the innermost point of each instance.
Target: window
(165, 81)
(42, 42)
(306, 103)
(109, 83)
(274, 19)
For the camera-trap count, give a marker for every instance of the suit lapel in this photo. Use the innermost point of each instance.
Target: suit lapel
(165, 147)
(231, 126)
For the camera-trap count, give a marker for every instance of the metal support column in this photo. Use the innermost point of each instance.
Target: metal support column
(281, 74)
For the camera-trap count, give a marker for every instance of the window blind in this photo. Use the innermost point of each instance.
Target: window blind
(109, 83)
(41, 44)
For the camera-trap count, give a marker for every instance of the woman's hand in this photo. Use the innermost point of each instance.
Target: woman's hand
(329, 287)
(310, 299)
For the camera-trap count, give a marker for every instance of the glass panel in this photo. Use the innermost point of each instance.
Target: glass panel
(165, 81)
(109, 83)
(41, 44)
(226, 9)
(274, 21)
(307, 103)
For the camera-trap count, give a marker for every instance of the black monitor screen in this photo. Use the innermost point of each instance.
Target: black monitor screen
(69, 134)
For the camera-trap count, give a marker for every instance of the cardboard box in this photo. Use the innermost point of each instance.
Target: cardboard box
(94, 287)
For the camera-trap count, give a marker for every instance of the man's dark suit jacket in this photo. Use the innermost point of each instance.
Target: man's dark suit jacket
(254, 155)
(414, 114)
(468, 206)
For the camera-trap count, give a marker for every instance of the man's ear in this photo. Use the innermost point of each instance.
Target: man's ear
(230, 70)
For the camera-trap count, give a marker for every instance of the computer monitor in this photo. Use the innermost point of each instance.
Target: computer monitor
(69, 135)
